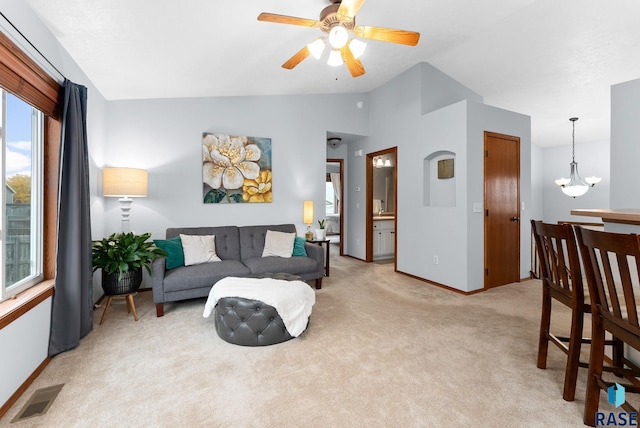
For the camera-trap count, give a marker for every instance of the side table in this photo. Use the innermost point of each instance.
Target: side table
(322, 242)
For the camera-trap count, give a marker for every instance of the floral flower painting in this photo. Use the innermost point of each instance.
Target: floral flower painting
(235, 169)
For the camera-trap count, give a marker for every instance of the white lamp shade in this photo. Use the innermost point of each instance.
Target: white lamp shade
(308, 212)
(593, 180)
(125, 182)
(335, 58)
(338, 36)
(316, 47)
(575, 191)
(357, 48)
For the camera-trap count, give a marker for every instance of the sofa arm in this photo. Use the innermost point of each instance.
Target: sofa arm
(158, 268)
(316, 252)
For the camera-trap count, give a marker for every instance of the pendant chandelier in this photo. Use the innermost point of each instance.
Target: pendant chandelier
(574, 185)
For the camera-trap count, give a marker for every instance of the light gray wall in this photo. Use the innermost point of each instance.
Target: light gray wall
(165, 137)
(593, 160)
(536, 210)
(440, 90)
(625, 148)
(355, 204)
(428, 231)
(27, 338)
(483, 118)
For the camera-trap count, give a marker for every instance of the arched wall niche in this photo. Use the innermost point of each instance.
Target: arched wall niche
(439, 179)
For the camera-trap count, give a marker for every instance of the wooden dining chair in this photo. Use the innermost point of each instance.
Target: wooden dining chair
(561, 277)
(612, 268)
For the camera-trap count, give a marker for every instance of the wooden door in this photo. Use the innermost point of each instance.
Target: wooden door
(502, 209)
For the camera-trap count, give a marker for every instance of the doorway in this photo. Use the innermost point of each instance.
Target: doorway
(502, 209)
(334, 202)
(382, 242)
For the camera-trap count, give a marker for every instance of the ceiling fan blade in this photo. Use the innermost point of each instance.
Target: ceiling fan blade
(349, 8)
(296, 58)
(285, 19)
(387, 35)
(354, 65)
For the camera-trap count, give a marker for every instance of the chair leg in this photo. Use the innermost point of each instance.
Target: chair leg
(596, 361)
(573, 357)
(159, 310)
(545, 321)
(106, 308)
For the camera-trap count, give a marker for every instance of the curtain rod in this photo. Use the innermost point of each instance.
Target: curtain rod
(33, 46)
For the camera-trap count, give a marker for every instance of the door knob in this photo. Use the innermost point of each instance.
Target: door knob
(515, 219)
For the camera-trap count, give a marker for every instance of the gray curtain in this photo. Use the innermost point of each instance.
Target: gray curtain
(72, 311)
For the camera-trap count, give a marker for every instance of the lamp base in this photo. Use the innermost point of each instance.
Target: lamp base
(308, 235)
(125, 209)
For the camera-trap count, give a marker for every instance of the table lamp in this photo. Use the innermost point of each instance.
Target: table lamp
(125, 183)
(308, 218)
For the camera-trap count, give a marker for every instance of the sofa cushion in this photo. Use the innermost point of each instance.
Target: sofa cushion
(252, 238)
(202, 275)
(292, 265)
(278, 244)
(173, 248)
(227, 239)
(199, 249)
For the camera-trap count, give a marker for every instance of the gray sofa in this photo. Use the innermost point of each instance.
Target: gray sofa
(240, 249)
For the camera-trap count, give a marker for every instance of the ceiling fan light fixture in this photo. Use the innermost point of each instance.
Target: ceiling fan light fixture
(338, 36)
(335, 58)
(357, 47)
(316, 47)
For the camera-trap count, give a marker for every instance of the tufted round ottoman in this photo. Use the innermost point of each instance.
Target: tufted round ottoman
(250, 322)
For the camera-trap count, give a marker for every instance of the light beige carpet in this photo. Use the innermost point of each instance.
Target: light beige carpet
(381, 350)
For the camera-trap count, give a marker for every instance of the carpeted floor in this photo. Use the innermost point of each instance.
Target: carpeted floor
(381, 350)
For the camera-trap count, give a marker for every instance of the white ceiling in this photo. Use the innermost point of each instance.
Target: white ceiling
(548, 59)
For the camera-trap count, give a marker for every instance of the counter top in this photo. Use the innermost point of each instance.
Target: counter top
(626, 216)
(383, 218)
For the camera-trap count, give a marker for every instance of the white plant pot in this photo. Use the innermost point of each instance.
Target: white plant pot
(321, 234)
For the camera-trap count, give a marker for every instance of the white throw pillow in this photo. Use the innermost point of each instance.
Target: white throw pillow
(199, 249)
(279, 244)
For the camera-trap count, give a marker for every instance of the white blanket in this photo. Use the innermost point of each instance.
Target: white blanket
(292, 299)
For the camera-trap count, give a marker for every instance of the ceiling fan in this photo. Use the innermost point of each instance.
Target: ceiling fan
(337, 21)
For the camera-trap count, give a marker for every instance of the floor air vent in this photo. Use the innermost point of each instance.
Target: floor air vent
(39, 403)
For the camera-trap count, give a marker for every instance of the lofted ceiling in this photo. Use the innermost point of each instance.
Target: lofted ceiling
(548, 59)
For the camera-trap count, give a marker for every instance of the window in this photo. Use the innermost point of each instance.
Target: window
(24, 85)
(330, 199)
(21, 139)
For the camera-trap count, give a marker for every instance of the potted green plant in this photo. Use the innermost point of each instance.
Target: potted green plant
(320, 232)
(121, 257)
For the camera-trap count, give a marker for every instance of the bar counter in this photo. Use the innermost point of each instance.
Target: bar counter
(622, 216)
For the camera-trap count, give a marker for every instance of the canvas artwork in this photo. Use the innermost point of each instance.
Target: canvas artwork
(236, 169)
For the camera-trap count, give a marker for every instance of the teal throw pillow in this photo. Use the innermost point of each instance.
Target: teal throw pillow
(298, 247)
(173, 248)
